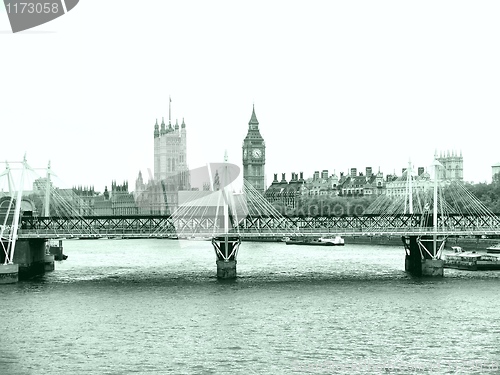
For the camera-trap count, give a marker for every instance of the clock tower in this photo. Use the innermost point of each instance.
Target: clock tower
(254, 155)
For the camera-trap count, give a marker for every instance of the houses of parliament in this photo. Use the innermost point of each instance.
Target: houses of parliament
(171, 173)
(160, 194)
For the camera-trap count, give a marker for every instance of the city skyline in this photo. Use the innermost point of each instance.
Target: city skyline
(335, 86)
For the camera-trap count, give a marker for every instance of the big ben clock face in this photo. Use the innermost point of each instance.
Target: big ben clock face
(257, 153)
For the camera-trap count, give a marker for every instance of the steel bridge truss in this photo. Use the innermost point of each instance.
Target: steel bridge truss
(367, 222)
(150, 226)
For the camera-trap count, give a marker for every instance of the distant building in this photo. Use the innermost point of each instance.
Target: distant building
(285, 193)
(398, 187)
(321, 184)
(102, 204)
(85, 200)
(40, 184)
(452, 166)
(170, 154)
(171, 173)
(495, 172)
(363, 184)
(290, 193)
(118, 202)
(367, 183)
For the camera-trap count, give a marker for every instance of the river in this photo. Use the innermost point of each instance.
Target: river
(155, 307)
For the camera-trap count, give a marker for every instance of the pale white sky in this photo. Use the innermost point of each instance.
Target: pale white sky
(335, 84)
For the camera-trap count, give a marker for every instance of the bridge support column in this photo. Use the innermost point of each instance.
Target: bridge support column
(9, 273)
(433, 267)
(413, 264)
(30, 256)
(49, 263)
(418, 262)
(226, 269)
(226, 248)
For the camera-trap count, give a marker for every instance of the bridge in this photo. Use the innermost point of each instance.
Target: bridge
(151, 226)
(423, 217)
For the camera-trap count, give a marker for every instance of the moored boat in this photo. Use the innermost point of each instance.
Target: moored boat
(55, 248)
(495, 249)
(471, 261)
(322, 241)
(199, 238)
(336, 241)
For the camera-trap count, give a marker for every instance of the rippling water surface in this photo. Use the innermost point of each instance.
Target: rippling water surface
(156, 307)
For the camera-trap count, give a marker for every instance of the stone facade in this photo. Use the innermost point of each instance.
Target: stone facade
(171, 174)
(357, 184)
(118, 202)
(284, 193)
(452, 166)
(170, 154)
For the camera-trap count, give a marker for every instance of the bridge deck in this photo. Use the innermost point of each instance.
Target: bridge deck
(319, 232)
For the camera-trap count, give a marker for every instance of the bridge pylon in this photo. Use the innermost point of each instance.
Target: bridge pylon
(226, 246)
(421, 259)
(19, 257)
(423, 253)
(226, 249)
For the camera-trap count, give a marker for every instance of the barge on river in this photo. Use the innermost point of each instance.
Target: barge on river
(322, 241)
(471, 261)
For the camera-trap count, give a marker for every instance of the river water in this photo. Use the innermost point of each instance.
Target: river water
(156, 307)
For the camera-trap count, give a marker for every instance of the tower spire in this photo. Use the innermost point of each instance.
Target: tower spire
(162, 126)
(169, 109)
(253, 119)
(157, 131)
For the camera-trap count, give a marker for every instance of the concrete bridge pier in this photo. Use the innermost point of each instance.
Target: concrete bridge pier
(9, 273)
(49, 263)
(31, 257)
(419, 262)
(226, 249)
(226, 269)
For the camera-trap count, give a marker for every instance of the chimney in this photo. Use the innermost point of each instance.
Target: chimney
(369, 171)
(324, 174)
(283, 179)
